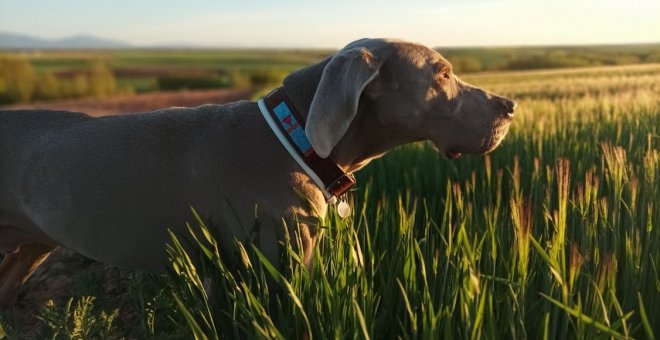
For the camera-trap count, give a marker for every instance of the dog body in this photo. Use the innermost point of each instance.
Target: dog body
(110, 187)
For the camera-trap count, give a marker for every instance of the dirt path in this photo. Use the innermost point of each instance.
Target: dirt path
(141, 102)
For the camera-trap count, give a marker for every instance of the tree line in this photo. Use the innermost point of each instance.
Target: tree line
(19, 82)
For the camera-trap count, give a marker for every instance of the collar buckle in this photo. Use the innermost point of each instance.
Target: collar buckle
(341, 185)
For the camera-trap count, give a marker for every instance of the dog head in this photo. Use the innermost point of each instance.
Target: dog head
(409, 87)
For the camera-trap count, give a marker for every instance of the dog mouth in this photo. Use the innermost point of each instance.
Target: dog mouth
(487, 145)
(497, 135)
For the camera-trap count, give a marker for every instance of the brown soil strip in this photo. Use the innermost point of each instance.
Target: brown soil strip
(140, 102)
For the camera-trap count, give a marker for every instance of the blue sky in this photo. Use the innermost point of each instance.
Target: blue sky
(289, 23)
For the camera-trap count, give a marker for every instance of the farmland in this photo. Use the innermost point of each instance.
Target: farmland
(553, 235)
(50, 75)
(27, 76)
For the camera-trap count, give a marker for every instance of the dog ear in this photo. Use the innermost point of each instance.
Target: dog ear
(335, 102)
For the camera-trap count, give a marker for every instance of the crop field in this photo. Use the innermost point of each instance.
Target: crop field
(46, 75)
(140, 70)
(555, 235)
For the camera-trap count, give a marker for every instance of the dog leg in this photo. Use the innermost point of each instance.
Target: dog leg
(16, 268)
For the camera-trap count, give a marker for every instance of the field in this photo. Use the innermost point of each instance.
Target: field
(49, 75)
(29, 76)
(142, 102)
(554, 235)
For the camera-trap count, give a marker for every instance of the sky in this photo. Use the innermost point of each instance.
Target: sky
(333, 24)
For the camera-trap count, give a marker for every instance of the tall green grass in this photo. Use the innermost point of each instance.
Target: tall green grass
(554, 235)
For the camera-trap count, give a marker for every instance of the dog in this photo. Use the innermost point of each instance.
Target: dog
(110, 187)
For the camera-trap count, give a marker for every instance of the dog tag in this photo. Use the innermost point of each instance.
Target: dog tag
(343, 209)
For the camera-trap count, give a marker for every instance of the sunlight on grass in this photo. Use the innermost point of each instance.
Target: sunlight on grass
(551, 236)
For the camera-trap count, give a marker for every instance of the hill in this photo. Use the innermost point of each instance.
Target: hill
(14, 41)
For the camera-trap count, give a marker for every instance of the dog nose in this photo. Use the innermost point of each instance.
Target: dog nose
(508, 106)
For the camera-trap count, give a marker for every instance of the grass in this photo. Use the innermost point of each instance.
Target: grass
(553, 236)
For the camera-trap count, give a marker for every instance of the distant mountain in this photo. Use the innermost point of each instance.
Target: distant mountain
(14, 41)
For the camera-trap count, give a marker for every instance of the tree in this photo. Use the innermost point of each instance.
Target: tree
(48, 87)
(17, 80)
(101, 80)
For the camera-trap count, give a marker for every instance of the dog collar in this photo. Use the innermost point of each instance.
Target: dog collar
(289, 127)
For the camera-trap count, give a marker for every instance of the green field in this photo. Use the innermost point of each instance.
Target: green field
(57, 74)
(52, 75)
(555, 235)
(153, 64)
(489, 59)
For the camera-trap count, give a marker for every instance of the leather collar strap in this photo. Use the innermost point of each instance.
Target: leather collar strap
(289, 127)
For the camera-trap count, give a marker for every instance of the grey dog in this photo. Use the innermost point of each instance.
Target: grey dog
(110, 187)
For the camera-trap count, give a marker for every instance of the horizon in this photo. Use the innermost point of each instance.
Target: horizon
(290, 24)
(185, 46)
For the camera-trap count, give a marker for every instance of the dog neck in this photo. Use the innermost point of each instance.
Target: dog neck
(366, 139)
(287, 124)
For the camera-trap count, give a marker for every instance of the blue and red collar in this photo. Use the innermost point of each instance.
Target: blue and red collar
(289, 127)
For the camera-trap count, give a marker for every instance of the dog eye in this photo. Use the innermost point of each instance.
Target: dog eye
(445, 74)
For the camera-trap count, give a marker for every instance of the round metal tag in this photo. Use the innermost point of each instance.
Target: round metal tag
(343, 209)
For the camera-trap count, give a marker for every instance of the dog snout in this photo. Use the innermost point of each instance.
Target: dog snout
(505, 106)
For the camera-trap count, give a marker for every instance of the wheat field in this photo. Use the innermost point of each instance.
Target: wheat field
(555, 235)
